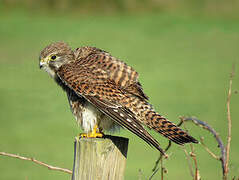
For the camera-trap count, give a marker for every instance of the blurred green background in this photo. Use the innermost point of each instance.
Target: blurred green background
(183, 51)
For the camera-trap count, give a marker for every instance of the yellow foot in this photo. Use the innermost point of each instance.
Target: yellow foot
(93, 134)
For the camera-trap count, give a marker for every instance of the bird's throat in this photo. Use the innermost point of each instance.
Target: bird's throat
(50, 71)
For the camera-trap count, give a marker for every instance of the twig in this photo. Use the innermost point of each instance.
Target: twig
(208, 150)
(229, 122)
(162, 168)
(224, 151)
(160, 159)
(189, 163)
(153, 173)
(196, 176)
(50, 167)
(161, 156)
(193, 155)
(204, 125)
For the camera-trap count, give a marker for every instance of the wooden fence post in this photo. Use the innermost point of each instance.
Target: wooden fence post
(100, 158)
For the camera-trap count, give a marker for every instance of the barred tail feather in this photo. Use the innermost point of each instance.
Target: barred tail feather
(168, 129)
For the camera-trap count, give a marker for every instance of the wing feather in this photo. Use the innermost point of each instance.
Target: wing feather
(101, 62)
(104, 95)
(124, 118)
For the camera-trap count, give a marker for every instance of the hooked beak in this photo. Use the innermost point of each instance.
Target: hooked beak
(42, 63)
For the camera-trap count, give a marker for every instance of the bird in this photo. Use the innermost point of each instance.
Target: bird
(104, 93)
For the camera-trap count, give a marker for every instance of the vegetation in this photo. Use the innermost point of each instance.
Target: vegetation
(208, 7)
(184, 64)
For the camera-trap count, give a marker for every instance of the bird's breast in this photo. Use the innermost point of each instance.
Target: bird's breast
(91, 117)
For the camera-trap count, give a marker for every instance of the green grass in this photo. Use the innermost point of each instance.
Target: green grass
(184, 65)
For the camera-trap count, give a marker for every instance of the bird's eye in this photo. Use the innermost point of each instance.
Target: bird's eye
(53, 57)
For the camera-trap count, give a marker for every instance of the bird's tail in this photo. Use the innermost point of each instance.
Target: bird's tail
(167, 128)
(147, 115)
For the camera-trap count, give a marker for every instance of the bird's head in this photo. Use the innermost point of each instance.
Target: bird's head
(54, 56)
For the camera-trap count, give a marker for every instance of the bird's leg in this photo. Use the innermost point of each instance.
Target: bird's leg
(93, 134)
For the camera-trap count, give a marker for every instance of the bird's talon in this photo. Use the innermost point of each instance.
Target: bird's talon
(96, 135)
(83, 135)
(93, 134)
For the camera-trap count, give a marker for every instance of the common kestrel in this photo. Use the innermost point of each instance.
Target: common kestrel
(104, 93)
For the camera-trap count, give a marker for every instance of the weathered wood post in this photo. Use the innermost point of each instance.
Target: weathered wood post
(100, 158)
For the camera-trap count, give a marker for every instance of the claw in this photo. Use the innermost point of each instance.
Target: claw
(93, 134)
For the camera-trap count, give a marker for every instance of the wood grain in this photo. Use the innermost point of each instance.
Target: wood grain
(100, 158)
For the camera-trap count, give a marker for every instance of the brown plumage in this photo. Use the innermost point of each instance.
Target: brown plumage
(100, 84)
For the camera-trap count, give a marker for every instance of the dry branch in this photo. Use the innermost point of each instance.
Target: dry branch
(193, 155)
(189, 163)
(50, 167)
(154, 172)
(195, 176)
(208, 150)
(161, 156)
(224, 158)
(229, 123)
(205, 126)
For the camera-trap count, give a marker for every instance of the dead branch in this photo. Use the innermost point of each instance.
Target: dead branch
(160, 159)
(161, 156)
(205, 126)
(196, 176)
(208, 150)
(153, 173)
(226, 169)
(224, 151)
(50, 167)
(155, 168)
(189, 163)
(224, 158)
(162, 168)
(193, 155)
